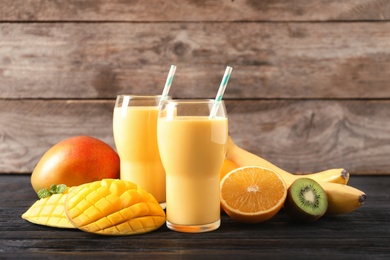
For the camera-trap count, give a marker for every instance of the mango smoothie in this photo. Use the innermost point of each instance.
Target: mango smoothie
(192, 150)
(135, 135)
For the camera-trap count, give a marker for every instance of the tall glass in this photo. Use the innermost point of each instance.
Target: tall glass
(192, 147)
(135, 136)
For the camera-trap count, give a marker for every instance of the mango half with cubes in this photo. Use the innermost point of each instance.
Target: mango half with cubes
(113, 207)
(49, 211)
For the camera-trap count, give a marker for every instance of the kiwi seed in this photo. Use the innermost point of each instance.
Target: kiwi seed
(306, 200)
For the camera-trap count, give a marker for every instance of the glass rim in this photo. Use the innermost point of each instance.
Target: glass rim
(139, 96)
(192, 100)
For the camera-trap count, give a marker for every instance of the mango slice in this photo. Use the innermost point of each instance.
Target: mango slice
(113, 207)
(49, 211)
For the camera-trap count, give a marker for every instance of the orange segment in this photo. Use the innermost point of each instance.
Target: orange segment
(252, 194)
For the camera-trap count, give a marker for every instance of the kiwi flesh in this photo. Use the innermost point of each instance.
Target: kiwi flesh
(306, 200)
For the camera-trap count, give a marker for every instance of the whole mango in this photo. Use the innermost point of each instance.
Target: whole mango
(75, 161)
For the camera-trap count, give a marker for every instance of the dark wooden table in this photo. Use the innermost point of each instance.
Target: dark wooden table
(362, 234)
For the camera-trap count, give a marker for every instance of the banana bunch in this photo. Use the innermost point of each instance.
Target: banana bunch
(341, 197)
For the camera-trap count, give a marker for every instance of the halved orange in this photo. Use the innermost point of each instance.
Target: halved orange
(252, 194)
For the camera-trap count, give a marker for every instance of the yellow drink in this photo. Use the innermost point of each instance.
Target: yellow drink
(192, 150)
(135, 135)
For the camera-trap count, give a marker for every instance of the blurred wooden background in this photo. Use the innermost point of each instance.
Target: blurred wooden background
(310, 89)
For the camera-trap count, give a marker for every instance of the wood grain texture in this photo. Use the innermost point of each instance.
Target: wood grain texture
(310, 136)
(193, 10)
(310, 87)
(299, 136)
(362, 234)
(270, 60)
(29, 127)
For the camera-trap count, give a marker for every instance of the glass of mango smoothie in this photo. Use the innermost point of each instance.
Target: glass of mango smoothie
(192, 146)
(135, 136)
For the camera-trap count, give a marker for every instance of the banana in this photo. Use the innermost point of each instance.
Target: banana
(245, 158)
(338, 175)
(342, 199)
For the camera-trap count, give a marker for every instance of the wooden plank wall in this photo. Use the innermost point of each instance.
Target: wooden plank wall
(310, 89)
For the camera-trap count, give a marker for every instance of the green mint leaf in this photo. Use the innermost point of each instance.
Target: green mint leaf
(44, 193)
(60, 188)
(53, 189)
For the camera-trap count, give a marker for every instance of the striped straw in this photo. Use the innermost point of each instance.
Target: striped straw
(168, 83)
(221, 90)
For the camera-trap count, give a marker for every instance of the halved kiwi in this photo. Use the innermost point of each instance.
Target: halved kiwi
(306, 200)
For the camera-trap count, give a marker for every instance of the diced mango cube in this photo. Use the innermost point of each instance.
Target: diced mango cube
(49, 212)
(117, 207)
